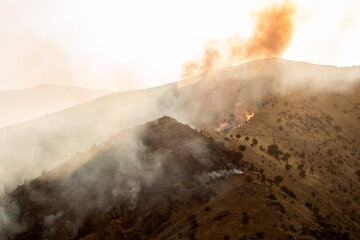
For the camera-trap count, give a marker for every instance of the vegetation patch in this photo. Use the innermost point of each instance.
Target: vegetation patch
(274, 151)
(288, 191)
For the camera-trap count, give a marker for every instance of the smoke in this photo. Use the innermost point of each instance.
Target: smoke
(271, 35)
(222, 173)
(112, 178)
(9, 224)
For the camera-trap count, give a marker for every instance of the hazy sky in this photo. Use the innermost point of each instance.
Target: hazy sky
(123, 45)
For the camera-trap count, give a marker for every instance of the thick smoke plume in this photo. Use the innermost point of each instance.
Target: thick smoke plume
(271, 35)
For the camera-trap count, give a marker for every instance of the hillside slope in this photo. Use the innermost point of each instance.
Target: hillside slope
(164, 180)
(122, 187)
(41, 144)
(18, 106)
(308, 146)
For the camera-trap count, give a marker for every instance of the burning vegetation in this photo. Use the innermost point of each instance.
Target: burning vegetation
(235, 122)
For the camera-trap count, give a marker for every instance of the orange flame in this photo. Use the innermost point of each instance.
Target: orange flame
(248, 116)
(222, 125)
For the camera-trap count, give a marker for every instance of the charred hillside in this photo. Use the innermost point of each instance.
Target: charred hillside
(124, 188)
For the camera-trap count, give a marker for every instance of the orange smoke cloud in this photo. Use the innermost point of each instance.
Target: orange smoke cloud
(271, 35)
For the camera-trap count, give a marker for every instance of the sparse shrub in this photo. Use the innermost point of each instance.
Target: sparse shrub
(247, 138)
(286, 156)
(302, 173)
(316, 211)
(288, 191)
(220, 215)
(330, 152)
(226, 237)
(226, 139)
(288, 166)
(245, 218)
(254, 142)
(207, 209)
(302, 155)
(262, 148)
(308, 205)
(274, 150)
(357, 172)
(281, 128)
(278, 179)
(260, 235)
(328, 118)
(272, 196)
(337, 128)
(242, 148)
(238, 135)
(301, 166)
(248, 179)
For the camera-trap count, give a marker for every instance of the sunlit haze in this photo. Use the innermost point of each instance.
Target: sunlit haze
(123, 45)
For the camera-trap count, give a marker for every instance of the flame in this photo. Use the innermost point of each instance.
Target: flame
(248, 116)
(239, 121)
(222, 125)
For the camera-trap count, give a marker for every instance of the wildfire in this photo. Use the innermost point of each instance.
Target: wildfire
(222, 125)
(238, 121)
(248, 116)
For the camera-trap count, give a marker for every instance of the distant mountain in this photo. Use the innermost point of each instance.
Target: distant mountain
(29, 148)
(18, 106)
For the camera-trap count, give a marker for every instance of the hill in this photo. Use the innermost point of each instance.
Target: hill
(18, 106)
(164, 180)
(125, 183)
(205, 101)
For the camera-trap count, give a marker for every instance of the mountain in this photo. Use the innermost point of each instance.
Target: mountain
(165, 180)
(205, 101)
(18, 106)
(124, 183)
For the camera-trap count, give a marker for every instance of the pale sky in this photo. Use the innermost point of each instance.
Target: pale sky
(122, 45)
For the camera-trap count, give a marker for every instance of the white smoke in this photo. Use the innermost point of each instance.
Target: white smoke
(222, 173)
